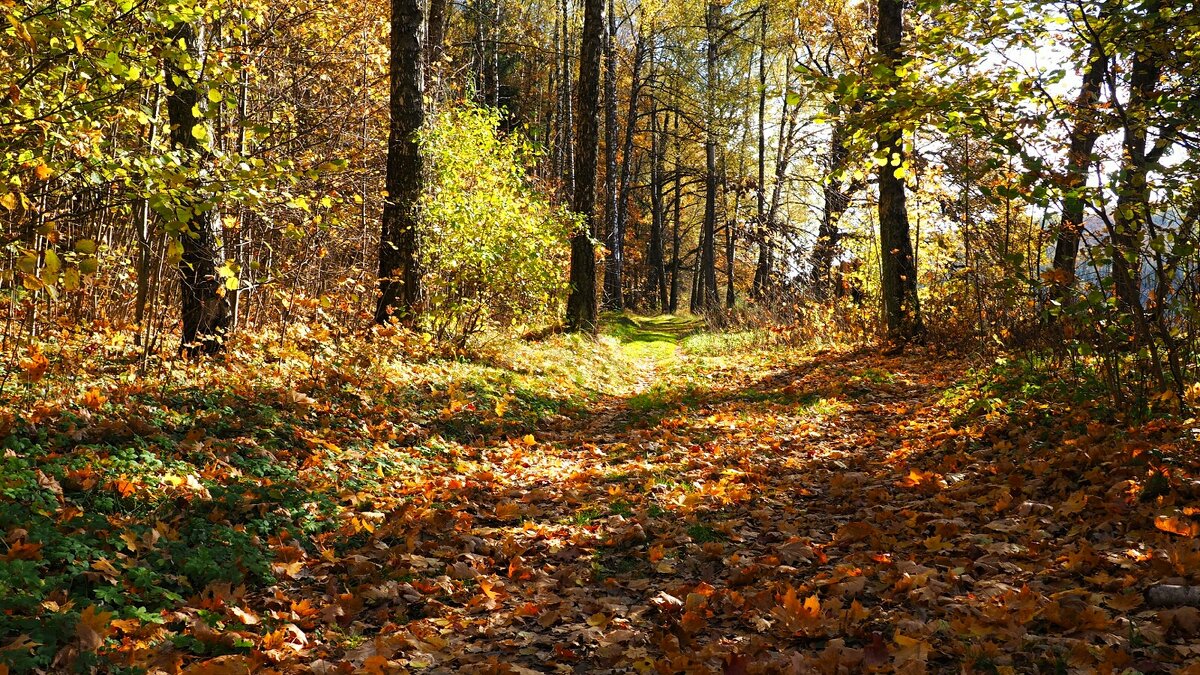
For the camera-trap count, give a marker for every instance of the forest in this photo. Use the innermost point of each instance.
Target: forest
(599, 336)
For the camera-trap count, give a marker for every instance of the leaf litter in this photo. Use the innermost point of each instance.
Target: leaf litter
(768, 511)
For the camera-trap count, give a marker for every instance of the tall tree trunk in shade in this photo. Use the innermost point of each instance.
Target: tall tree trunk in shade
(581, 302)
(568, 115)
(704, 297)
(435, 38)
(492, 67)
(1133, 196)
(624, 179)
(656, 286)
(730, 242)
(835, 202)
(612, 234)
(677, 207)
(762, 270)
(205, 305)
(1083, 139)
(898, 280)
(399, 243)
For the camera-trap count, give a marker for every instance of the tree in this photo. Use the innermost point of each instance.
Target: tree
(835, 201)
(205, 307)
(581, 303)
(898, 280)
(1084, 134)
(399, 243)
(613, 245)
(704, 295)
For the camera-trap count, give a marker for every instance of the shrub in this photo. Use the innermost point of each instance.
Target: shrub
(495, 247)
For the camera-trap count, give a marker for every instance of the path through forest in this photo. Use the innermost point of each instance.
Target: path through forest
(734, 506)
(760, 512)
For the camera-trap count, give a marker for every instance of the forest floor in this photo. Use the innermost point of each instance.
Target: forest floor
(663, 501)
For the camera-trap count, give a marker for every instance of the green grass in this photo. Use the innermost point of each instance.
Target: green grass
(651, 338)
(703, 534)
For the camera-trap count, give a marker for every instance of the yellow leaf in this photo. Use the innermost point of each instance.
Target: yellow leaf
(94, 399)
(9, 201)
(93, 627)
(35, 367)
(21, 32)
(27, 263)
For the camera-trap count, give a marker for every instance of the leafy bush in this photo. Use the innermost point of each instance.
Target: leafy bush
(495, 247)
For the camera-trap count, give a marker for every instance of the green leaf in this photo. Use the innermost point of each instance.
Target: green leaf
(174, 250)
(53, 264)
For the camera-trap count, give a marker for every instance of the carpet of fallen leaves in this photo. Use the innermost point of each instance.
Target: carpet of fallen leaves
(761, 512)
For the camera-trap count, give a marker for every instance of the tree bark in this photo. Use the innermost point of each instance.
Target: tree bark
(704, 297)
(835, 203)
(142, 228)
(1133, 196)
(901, 308)
(656, 287)
(400, 289)
(436, 37)
(730, 241)
(612, 233)
(581, 302)
(1079, 161)
(1168, 595)
(205, 306)
(762, 270)
(568, 119)
(677, 208)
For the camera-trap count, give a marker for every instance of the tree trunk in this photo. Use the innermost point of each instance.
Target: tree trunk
(205, 307)
(567, 103)
(899, 271)
(581, 303)
(730, 241)
(143, 229)
(785, 149)
(678, 205)
(436, 39)
(399, 244)
(656, 287)
(1079, 161)
(492, 68)
(635, 86)
(835, 204)
(612, 234)
(1133, 196)
(762, 271)
(705, 298)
